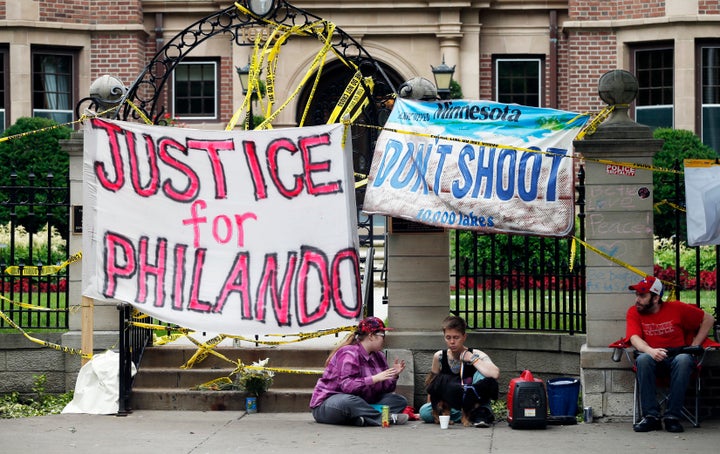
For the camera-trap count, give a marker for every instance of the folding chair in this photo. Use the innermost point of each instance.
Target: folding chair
(623, 346)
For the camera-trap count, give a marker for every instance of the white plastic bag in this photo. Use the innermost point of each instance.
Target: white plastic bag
(98, 386)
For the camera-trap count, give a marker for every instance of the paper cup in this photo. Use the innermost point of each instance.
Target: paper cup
(444, 421)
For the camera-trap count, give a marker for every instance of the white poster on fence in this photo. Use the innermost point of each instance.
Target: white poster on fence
(702, 201)
(228, 232)
(510, 169)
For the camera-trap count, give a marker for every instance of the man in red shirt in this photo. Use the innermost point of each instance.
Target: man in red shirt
(657, 330)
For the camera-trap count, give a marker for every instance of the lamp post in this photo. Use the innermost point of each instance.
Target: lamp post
(244, 76)
(260, 8)
(443, 78)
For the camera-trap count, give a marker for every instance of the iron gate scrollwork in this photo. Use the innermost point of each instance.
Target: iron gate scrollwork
(147, 97)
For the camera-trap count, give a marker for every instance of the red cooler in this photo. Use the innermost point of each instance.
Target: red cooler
(527, 402)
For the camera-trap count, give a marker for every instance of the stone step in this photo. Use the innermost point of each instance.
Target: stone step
(276, 400)
(169, 377)
(161, 383)
(176, 356)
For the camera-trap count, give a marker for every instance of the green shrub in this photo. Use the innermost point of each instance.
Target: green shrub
(39, 153)
(15, 406)
(56, 254)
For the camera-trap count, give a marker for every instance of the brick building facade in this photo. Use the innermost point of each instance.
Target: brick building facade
(530, 52)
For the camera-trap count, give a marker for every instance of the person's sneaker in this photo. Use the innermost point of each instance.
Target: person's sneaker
(673, 425)
(482, 417)
(399, 418)
(359, 421)
(648, 424)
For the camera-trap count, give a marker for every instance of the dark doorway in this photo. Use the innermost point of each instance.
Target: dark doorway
(333, 83)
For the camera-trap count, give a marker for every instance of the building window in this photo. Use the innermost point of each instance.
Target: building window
(519, 81)
(52, 85)
(710, 74)
(195, 90)
(3, 88)
(654, 72)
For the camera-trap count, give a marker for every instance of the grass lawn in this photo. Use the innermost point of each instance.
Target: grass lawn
(509, 310)
(55, 318)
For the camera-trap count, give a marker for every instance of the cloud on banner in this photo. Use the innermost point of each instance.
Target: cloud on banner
(230, 232)
(509, 169)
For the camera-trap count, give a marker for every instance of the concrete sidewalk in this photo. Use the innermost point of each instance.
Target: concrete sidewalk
(236, 432)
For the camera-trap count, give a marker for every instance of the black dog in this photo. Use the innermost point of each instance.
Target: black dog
(447, 392)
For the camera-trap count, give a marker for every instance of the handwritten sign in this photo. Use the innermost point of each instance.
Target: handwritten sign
(229, 232)
(510, 171)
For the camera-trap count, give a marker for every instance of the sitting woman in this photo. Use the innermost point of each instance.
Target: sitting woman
(357, 381)
(462, 381)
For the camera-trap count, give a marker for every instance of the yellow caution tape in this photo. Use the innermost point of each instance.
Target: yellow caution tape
(593, 124)
(624, 265)
(46, 270)
(28, 306)
(140, 113)
(671, 204)
(72, 351)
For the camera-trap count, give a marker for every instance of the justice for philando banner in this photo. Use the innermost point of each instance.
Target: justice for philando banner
(227, 232)
(509, 171)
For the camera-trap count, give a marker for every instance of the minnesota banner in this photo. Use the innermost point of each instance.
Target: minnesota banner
(227, 232)
(476, 165)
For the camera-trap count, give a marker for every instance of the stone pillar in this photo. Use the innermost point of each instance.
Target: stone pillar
(417, 280)
(105, 315)
(619, 222)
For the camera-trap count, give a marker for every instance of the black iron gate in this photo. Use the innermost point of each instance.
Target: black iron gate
(521, 282)
(33, 245)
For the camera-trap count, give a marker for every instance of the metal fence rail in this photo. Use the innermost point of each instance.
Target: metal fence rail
(28, 251)
(521, 282)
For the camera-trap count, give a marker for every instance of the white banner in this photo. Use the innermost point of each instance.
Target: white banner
(227, 232)
(522, 185)
(702, 200)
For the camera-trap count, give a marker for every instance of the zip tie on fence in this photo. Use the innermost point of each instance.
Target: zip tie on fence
(624, 265)
(42, 342)
(46, 270)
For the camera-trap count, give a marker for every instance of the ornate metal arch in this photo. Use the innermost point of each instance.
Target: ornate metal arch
(146, 92)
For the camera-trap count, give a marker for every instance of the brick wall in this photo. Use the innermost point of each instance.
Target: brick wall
(621, 9)
(119, 54)
(584, 57)
(91, 11)
(708, 7)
